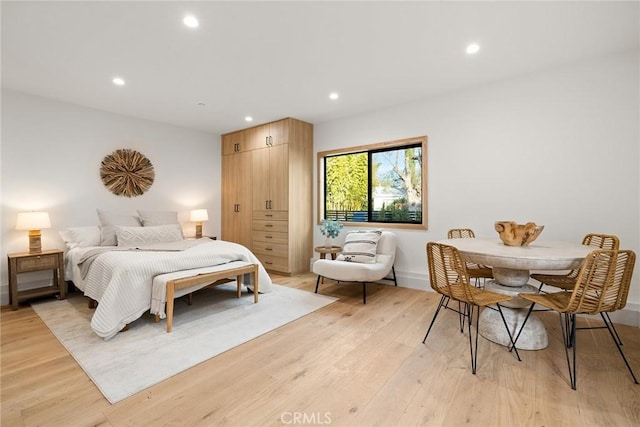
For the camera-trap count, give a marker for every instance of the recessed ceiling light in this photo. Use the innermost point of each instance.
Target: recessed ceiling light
(201, 104)
(334, 96)
(191, 21)
(118, 81)
(248, 119)
(473, 48)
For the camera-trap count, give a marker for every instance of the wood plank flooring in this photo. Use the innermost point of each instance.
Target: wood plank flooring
(347, 364)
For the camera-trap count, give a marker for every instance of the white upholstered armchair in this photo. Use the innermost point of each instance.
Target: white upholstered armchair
(358, 270)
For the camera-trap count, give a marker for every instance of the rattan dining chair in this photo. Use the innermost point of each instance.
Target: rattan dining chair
(601, 287)
(448, 276)
(476, 271)
(568, 281)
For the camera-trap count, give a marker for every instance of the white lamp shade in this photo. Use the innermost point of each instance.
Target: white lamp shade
(199, 215)
(33, 221)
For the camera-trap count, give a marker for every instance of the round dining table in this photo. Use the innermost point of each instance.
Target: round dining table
(512, 267)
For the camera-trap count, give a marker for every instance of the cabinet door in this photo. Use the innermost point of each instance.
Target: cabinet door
(279, 177)
(233, 143)
(236, 198)
(260, 179)
(271, 178)
(257, 137)
(279, 132)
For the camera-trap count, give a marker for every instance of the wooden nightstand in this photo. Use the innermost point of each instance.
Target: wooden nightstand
(24, 262)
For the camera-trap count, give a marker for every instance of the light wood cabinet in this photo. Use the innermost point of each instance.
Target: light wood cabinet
(279, 187)
(236, 198)
(271, 178)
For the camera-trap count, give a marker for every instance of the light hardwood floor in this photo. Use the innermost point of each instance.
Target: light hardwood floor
(347, 364)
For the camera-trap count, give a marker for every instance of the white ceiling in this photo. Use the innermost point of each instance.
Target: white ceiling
(282, 59)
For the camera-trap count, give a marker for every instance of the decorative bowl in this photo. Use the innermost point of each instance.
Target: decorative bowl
(513, 234)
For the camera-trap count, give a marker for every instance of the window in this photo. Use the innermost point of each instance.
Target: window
(382, 184)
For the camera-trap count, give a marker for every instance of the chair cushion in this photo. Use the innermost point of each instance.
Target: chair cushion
(350, 271)
(360, 246)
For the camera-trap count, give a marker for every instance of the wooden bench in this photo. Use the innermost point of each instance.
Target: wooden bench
(192, 280)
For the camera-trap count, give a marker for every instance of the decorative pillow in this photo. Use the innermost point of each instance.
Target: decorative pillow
(360, 246)
(158, 217)
(109, 220)
(77, 237)
(131, 237)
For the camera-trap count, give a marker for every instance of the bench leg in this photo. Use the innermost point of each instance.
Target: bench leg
(256, 287)
(170, 294)
(239, 282)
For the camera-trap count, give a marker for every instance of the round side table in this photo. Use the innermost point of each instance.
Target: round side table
(324, 251)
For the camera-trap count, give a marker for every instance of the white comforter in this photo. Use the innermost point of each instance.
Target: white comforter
(121, 281)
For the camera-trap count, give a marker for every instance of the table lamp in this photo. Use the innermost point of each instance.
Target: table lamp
(34, 222)
(197, 216)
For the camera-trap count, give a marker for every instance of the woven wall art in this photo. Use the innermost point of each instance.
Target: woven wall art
(127, 172)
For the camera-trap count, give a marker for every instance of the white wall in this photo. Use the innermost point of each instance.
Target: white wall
(560, 148)
(51, 154)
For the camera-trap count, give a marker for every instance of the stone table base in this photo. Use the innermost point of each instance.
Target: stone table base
(534, 335)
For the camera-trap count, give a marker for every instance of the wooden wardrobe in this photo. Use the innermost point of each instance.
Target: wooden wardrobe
(267, 193)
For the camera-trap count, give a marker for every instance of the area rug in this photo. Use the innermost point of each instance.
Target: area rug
(216, 322)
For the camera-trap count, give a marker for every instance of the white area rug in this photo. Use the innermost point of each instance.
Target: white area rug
(146, 354)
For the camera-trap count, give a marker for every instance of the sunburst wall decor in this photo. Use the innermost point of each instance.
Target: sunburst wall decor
(127, 172)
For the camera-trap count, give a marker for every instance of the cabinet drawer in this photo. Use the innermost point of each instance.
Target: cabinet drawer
(267, 225)
(270, 237)
(36, 263)
(270, 249)
(274, 263)
(271, 214)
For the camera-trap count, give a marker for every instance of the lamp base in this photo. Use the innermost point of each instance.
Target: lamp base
(198, 230)
(35, 241)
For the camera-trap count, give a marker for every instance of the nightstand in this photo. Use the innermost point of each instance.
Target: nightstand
(24, 262)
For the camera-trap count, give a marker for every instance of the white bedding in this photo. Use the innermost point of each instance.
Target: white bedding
(121, 281)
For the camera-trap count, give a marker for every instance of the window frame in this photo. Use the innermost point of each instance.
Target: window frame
(407, 142)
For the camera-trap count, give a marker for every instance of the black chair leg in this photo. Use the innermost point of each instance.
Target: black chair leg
(513, 344)
(460, 314)
(569, 336)
(440, 305)
(393, 270)
(607, 322)
(317, 283)
(469, 309)
(515, 340)
(617, 337)
(364, 292)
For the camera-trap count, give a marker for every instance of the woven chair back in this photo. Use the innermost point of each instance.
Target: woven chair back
(603, 282)
(460, 233)
(447, 272)
(602, 241)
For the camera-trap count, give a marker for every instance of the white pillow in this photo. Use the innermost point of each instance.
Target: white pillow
(360, 246)
(78, 237)
(158, 217)
(131, 237)
(109, 220)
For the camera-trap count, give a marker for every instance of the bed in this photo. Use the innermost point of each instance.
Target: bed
(120, 277)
